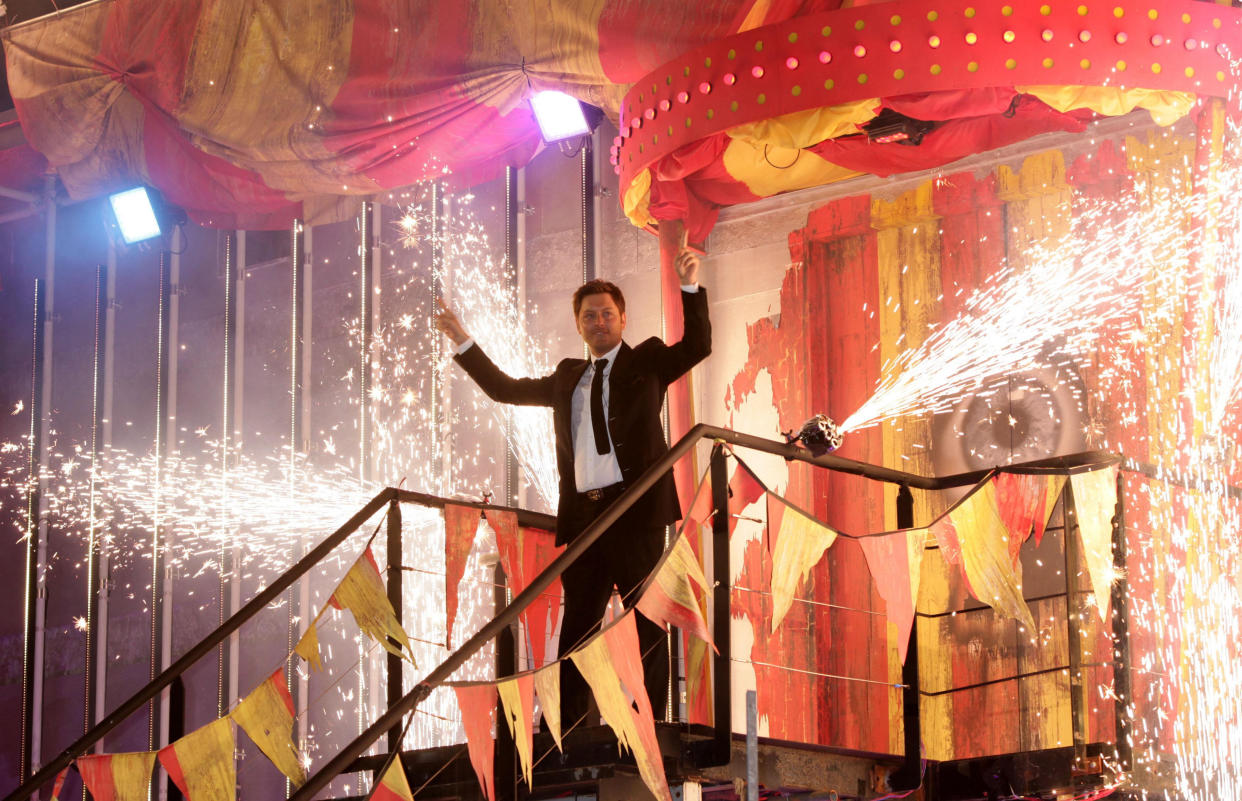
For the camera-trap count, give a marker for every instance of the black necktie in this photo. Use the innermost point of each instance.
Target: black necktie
(597, 407)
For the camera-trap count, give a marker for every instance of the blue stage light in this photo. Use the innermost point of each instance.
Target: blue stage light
(135, 214)
(559, 115)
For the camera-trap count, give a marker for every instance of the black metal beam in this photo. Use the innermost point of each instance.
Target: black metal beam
(33, 477)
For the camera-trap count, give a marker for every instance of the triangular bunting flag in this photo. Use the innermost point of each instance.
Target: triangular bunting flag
(670, 597)
(548, 687)
(946, 537)
(984, 541)
(1023, 504)
(524, 553)
(800, 543)
(517, 697)
(477, 703)
(744, 489)
(1095, 500)
(612, 665)
(393, 785)
(895, 561)
(362, 593)
(201, 763)
(59, 784)
(1056, 485)
(460, 525)
(117, 777)
(308, 646)
(266, 715)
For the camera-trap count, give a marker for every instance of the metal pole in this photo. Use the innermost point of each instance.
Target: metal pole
(157, 716)
(395, 686)
(511, 246)
(722, 687)
(304, 602)
(1121, 636)
(93, 588)
(1074, 613)
(33, 501)
(105, 426)
(909, 775)
(752, 745)
(226, 446)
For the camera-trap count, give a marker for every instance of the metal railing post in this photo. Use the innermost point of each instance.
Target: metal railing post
(1121, 636)
(722, 714)
(395, 688)
(910, 774)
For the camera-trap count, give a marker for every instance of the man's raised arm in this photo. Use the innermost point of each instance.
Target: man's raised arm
(497, 384)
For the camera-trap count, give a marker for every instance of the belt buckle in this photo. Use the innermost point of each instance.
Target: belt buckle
(594, 495)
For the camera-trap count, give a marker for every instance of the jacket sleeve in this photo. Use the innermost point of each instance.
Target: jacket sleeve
(696, 340)
(502, 387)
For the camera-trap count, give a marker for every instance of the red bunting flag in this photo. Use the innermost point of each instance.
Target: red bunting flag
(460, 525)
(117, 777)
(477, 703)
(201, 763)
(895, 561)
(744, 489)
(1025, 501)
(59, 784)
(612, 665)
(393, 785)
(524, 554)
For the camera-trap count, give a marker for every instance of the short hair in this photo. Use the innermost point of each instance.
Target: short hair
(599, 286)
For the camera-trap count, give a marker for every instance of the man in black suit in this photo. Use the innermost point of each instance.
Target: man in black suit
(601, 453)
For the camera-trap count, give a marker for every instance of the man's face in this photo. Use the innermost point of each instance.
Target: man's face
(600, 323)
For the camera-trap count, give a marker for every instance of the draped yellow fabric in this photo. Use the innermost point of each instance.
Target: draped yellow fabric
(362, 593)
(1165, 107)
(1095, 500)
(266, 715)
(985, 554)
(308, 646)
(204, 760)
(637, 200)
(548, 687)
(799, 545)
(517, 696)
(804, 128)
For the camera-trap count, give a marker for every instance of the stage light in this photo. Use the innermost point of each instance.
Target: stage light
(819, 434)
(559, 116)
(890, 127)
(135, 215)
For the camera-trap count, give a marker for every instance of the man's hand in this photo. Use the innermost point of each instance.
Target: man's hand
(449, 325)
(687, 266)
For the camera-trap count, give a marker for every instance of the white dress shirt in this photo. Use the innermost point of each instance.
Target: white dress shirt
(592, 469)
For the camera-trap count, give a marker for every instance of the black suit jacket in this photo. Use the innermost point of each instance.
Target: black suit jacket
(637, 384)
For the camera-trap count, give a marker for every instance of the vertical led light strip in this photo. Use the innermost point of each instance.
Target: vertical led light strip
(33, 499)
(511, 242)
(364, 344)
(157, 554)
(293, 594)
(226, 442)
(105, 430)
(437, 343)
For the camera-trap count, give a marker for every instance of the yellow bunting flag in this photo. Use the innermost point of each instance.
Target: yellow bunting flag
(393, 785)
(1095, 501)
(117, 777)
(362, 593)
(800, 543)
(548, 687)
(517, 696)
(308, 646)
(266, 715)
(984, 543)
(670, 598)
(201, 763)
(477, 703)
(612, 665)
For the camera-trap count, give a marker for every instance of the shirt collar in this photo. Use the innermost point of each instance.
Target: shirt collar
(611, 356)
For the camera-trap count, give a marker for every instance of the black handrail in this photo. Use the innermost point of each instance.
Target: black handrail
(257, 604)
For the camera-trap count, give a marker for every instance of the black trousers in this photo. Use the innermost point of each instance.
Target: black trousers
(624, 555)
